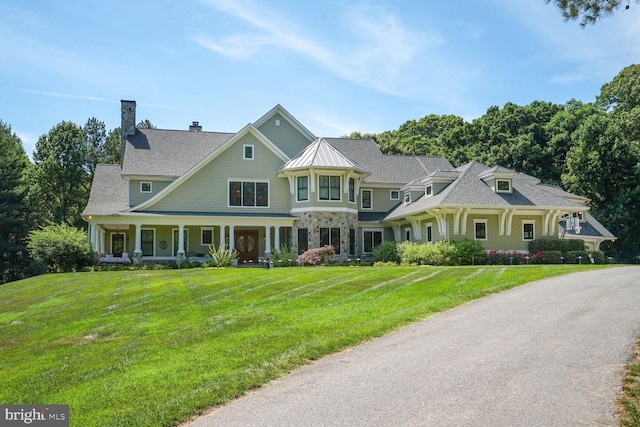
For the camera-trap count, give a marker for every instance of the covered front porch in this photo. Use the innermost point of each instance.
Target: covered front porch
(157, 238)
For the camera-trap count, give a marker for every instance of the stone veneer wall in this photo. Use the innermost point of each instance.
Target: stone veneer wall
(314, 220)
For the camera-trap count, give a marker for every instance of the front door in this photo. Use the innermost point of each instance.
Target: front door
(117, 244)
(247, 245)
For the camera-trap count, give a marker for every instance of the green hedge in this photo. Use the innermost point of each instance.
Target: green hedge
(562, 245)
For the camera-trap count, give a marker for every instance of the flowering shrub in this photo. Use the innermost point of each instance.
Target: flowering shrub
(316, 256)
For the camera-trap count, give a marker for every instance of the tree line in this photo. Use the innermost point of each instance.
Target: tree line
(591, 149)
(53, 190)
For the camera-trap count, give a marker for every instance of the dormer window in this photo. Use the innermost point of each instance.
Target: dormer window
(394, 195)
(145, 187)
(503, 186)
(428, 190)
(407, 198)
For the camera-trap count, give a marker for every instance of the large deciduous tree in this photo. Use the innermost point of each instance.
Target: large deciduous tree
(59, 180)
(14, 162)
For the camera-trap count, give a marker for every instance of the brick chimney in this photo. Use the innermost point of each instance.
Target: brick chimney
(195, 127)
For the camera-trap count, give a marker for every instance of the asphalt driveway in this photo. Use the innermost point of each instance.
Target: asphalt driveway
(551, 353)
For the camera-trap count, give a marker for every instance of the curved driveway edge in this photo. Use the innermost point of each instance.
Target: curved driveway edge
(551, 353)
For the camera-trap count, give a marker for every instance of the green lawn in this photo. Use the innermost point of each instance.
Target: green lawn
(153, 348)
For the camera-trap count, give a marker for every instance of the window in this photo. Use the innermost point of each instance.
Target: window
(394, 195)
(480, 229)
(329, 187)
(247, 152)
(352, 241)
(407, 234)
(407, 197)
(352, 190)
(330, 236)
(429, 233)
(303, 188)
(206, 236)
(428, 190)
(303, 240)
(145, 187)
(277, 122)
(285, 237)
(366, 199)
(503, 186)
(147, 237)
(246, 193)
(528, 230)
(372, 238)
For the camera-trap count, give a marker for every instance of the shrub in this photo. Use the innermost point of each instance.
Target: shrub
(573, 257)
(562, 245)
(552, 257)
(385, 252)
(61, 248)
(316, 256)
(505, 257)
(285, 257)
(598, 257)
(468, 252)
(222, 256)
(439, 253)
(186, 264)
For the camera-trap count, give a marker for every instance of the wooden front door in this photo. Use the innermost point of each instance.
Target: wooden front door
(247, 245)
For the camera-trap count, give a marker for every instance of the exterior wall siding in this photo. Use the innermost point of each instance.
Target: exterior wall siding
(285, 136)
(207, 190)
(136, 196)
(380, 197)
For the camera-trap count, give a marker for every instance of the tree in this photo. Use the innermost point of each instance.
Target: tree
(60, 247)
(623, 92)
(603, 165)
(589, 11)
(14, 261)
(59, 180)
(145, 124)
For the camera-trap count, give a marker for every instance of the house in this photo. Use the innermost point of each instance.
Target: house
(275, 183)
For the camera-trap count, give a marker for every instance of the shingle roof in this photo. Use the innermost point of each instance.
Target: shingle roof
(321, 154)
(470, 190)
(109, 192)
(168, 152)
(590, 227)
(387, 168)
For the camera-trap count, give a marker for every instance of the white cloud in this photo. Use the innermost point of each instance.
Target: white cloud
(375, 50)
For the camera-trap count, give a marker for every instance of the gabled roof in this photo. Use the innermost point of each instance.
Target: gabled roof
(279, 109)
(321, 154)
(248, 129)
(387, 168)
(109, 192)
(470, 190)
(170, 153)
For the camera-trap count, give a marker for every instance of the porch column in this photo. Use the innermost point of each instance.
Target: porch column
(93, 236)
(277, 238)
(232, 243)
(102, 240)
(180, 239)
(267, 235)
(138, 249)
(223, 229)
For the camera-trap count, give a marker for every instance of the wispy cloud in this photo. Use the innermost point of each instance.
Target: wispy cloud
(376, 49)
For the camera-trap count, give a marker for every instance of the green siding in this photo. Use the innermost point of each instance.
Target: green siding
(207, 190)
(285, 136)
(136, 197)
(380, 198)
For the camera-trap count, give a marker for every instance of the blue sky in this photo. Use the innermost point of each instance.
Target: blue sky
(337, 66)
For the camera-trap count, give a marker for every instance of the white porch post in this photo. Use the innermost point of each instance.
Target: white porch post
(277, 238)
(138, 249)
(223, 229)
(93, 236)
(181, 239)
(102, 240)
(267, 235)
(232, 243)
